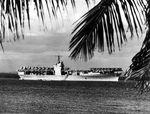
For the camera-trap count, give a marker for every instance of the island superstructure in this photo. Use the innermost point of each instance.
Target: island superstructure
(61, 73)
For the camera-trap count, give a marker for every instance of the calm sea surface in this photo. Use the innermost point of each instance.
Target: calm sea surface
(39, 97)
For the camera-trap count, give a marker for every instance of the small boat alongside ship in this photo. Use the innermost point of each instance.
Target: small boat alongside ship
(60, 73)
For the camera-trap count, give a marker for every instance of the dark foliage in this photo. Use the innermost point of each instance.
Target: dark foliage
(106, 24)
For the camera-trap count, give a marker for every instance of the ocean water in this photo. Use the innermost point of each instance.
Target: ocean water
(53, 97)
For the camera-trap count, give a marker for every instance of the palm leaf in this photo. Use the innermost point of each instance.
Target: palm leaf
(13, 12)
(108, 15)
(139, 70)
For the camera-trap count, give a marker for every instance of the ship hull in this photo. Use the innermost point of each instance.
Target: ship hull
(93, 77)
(43, 77)
(100, 77)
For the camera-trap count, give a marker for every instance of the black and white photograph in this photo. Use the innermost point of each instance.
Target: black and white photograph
(74, 57)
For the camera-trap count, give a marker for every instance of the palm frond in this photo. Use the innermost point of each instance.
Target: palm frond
(139, 70)
(13, 13)
(106, 23)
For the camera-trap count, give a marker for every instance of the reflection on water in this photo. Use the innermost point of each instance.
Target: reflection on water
(38, 97)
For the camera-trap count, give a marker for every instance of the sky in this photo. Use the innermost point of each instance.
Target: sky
(41, 47)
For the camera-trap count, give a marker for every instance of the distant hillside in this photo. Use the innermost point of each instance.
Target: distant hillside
(9, 75)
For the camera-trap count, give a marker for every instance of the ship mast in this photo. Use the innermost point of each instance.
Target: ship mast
(58, 58)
